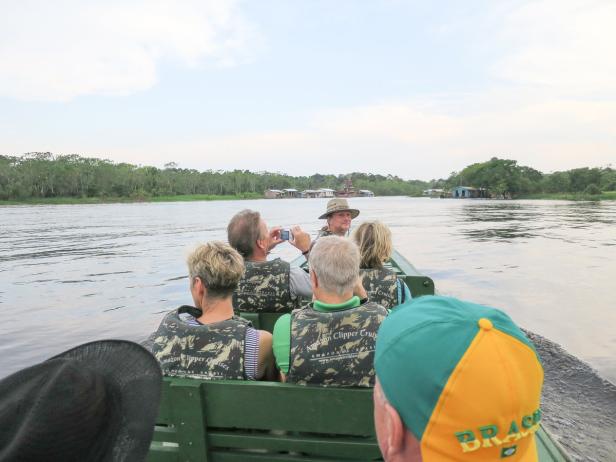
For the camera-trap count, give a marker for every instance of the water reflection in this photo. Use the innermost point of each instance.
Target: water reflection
(485, 221)
(87, 272)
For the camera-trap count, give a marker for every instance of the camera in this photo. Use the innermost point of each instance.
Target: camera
(285, 234)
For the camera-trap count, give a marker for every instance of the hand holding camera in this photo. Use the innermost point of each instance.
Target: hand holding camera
(299, 239)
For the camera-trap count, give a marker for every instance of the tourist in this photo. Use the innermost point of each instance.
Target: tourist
(208, 341)
(455, 381)
(375, 248)
(95, 402)
(338, 215)
(267, 286)
(331, 340)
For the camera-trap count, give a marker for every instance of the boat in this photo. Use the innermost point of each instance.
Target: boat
(248, 421)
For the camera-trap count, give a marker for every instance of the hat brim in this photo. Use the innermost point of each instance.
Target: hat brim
(354, 213)
(136, 377)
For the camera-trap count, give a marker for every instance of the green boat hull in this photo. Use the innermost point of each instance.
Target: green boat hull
(236, 421)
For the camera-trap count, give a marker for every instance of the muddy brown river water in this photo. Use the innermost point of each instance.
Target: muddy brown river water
(74, 273)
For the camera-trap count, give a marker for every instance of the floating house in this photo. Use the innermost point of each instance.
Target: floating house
(434, 193)
(290, 192)
(308, 193)
(317, 193)
(365, 193)
(468, 192)
(273, 194)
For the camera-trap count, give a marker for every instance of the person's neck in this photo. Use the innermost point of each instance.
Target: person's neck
(215, 310)
(332, 299)
(341, 233)
(257, 257)
(410, 450)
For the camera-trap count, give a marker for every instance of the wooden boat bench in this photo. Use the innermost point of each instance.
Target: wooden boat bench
(246, 421)
(237, 421)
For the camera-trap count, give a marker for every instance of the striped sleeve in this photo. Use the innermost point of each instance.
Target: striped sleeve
(251, 353)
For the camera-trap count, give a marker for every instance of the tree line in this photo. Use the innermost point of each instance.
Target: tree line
(505, 178)
(43, 175)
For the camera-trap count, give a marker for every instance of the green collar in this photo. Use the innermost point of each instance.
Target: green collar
(325, 307)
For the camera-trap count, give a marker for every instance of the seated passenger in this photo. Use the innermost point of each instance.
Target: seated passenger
(456, 381)
(330, 341)
(270, 286)
(208, 341)
(374, 241)
(338, 215)
(95, 402)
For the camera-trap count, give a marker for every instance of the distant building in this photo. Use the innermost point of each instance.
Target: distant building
(273, 194)
(290, 192)
(468, 192)
(433, 193)
(310, 193)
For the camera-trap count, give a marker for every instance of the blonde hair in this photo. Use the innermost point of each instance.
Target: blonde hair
(219, 266)
(374, 241)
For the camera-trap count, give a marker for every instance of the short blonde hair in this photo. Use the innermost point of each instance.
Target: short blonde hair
(219, 266)
(374, 241)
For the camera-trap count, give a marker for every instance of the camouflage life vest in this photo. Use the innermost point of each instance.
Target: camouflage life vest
(265, 287)
(324, 231)
(211, 351)
(381, 285)
(334, 348)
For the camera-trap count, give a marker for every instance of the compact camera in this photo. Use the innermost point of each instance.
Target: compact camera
(285, 234)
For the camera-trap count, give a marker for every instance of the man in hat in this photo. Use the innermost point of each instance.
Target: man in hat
(331, 340)
(338, 216)
(456, 381)
(95, 402)
(267, 285)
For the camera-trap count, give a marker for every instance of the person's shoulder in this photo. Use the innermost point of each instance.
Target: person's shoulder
(380, 270)
(367, 304)
(265, 338)
(282, 330)
(285, 319)
(267, 265)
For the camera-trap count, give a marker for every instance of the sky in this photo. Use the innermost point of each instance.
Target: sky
(410, 88)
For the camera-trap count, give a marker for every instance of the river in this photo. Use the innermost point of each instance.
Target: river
(74, 273)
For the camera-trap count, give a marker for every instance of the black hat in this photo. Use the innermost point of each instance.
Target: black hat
(95, 402)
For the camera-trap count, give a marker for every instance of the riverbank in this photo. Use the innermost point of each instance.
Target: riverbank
(604, 196)
(116, 200)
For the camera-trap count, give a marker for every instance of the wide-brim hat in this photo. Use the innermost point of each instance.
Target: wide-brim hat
(95, 402)
(338, 205)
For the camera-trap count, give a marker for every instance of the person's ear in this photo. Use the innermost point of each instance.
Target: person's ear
(395, 430)
(314, 280)
(262, 243)
(199, 287)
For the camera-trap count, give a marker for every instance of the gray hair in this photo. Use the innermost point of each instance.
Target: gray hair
(335, 261)
(219, 266)
(243, 231)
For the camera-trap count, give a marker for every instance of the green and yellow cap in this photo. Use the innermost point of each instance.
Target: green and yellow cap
(464, 378)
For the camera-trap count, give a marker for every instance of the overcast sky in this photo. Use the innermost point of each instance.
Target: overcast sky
(412, 88)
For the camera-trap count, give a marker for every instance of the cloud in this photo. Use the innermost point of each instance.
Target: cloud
(56, 51)
(550, 100)
(415, 139)
(564, 46)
